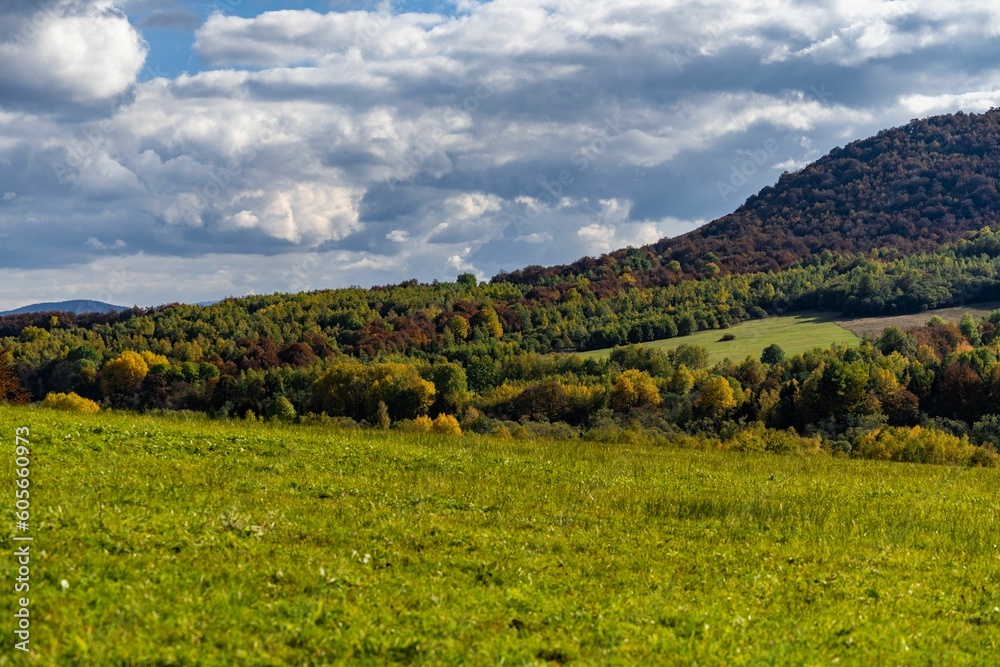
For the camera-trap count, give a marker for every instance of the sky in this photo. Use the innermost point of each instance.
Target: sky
(154, 151)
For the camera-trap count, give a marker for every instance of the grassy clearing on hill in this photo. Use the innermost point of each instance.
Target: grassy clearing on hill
(794, 333)
(208, 543)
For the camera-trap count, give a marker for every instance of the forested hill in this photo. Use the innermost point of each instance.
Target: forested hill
(907, 189)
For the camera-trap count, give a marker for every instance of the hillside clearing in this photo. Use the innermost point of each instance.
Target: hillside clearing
(794, 333)
(875, 325)
(204, 542)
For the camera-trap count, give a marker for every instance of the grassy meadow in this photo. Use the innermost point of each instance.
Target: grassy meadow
(209, 543)
(794, 333)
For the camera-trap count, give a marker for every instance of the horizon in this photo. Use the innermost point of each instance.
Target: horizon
(192, 150)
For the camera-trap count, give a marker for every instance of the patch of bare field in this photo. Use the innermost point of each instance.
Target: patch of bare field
(875, 325)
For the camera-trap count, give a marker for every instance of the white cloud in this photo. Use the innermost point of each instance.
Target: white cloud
(80, 51)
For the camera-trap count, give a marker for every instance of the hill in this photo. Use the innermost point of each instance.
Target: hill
(477, 351)
(794, 334)
(77, 306)
(905, 190)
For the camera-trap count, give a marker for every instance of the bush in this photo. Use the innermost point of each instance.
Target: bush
(551, 431)
(71, 402)
(446, 425)
(760, 439)
(727, 337)
(918, 445)
(423, 423)
(986, 432)
(282, 410)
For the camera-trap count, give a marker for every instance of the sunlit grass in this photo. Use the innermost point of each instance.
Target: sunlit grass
(794, 333)
(209, 543)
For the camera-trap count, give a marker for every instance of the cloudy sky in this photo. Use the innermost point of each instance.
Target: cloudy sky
(184, 150)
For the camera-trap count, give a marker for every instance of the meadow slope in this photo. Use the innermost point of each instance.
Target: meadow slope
(794, 333)
(207, 543)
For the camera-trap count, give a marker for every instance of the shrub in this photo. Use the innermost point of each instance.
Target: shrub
(986, 432)
(918, 445)
(281, 409)
(727, 337)
(556, 431)
(446, 425)
(71, 402)
(760, 439)
(423, 423)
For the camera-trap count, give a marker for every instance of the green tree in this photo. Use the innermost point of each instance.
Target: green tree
(488, 321)
(340, 391)
(841, 387)
(772, 355)
(970, 329)
(483, 374)
(681, 381)
(382, 416)
(458, 326)
(692, 356)
(894, 340)
(405, 393)
(451, 386)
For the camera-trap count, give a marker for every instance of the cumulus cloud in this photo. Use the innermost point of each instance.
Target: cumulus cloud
(67, 51)
(407, 144)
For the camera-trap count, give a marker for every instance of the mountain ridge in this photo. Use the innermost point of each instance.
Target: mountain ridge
(75, 306)
(905, 190)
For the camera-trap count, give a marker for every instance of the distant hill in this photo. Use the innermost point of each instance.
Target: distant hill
(77, 306)
(908, 189)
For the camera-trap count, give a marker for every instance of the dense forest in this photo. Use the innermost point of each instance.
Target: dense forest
(480, 357)
(494, 357)
(908, 189)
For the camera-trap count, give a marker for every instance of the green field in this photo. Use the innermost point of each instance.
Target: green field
(205, 543)
(794, 333)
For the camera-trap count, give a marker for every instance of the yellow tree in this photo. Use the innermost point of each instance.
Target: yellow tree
(124, 374)
(716, 397)
(634, 389)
